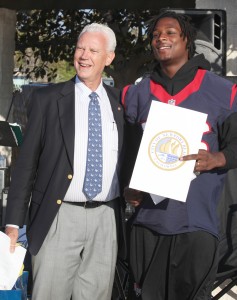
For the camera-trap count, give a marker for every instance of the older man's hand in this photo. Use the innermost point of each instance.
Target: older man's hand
(13, 234)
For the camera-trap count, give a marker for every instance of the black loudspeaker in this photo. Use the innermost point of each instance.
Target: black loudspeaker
(211, 35)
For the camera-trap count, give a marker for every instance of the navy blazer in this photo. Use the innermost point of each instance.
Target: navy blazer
(43, 169)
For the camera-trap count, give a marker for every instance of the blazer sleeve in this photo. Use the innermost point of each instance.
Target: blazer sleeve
(24, 171)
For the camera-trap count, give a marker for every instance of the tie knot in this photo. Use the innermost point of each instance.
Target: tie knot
(93, 96)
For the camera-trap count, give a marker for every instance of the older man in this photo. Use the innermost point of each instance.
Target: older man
(69, 164)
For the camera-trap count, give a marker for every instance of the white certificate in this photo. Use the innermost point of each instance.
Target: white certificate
(10, 263)
(170, 132)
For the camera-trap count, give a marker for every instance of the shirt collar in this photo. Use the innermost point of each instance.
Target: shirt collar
(86, 91)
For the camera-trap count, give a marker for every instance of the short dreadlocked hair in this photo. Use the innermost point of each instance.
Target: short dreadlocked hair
(187, 28)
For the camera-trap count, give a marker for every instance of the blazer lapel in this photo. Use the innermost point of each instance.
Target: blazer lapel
(66, 107)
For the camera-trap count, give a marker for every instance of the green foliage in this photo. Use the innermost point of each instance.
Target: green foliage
(65, 71)
(52, 34)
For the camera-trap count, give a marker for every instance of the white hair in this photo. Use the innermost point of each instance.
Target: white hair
(104, 29)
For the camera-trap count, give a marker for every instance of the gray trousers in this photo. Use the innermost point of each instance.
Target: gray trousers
(78, 256)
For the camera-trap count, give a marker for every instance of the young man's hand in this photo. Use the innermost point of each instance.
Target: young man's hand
(205, 160)
(133, 197)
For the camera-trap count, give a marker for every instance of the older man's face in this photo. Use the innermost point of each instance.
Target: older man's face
(91, 56)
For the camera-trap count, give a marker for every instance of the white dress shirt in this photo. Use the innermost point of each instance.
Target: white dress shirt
(110, 184)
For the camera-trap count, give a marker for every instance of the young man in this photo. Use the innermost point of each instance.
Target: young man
(173, 253)
(74, 214)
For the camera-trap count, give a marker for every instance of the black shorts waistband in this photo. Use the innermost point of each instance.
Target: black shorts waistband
(87, 204)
